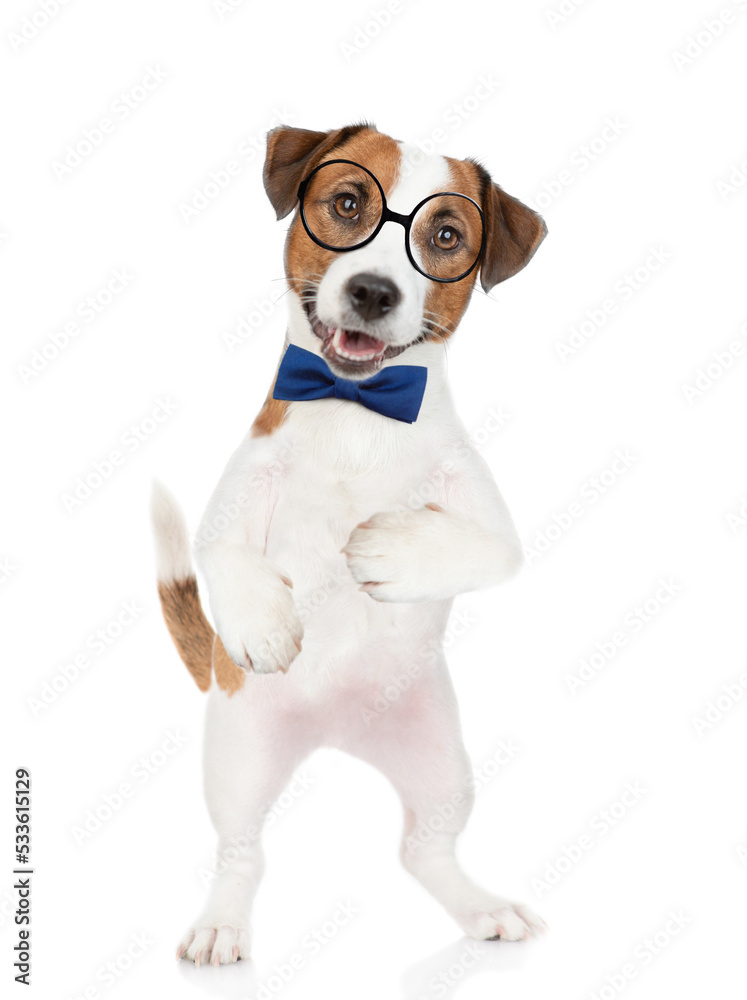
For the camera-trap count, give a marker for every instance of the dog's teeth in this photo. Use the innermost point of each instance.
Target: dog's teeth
(355, 357)
(335, 333)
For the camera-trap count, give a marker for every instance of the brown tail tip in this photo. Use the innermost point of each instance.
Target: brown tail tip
(189, 628)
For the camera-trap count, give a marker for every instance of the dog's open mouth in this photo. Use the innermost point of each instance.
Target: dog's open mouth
(352, 345)
(351, 348)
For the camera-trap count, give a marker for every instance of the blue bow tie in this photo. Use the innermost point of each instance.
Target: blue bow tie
(395, 392)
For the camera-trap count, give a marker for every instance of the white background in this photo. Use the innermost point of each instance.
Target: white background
(653, 184)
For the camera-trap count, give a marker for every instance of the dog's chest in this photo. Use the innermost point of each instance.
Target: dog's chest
(342, 464)
(318, 507)
(320, 497)
(344, 628)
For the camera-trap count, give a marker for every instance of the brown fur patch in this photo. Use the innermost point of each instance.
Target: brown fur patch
(188, 627)
(446, 302)
(292, 153)
(271, 416)
(513, 232)
(465, 178)
(228, 676)
(381, 154)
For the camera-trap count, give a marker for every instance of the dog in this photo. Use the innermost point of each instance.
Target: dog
(350, 516)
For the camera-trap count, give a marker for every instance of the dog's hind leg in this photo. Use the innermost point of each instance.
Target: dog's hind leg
(246, 768)
(417, 744)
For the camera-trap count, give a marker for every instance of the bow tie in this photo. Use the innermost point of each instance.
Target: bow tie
(395, 392)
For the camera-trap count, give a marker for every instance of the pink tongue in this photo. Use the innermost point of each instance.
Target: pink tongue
(360, 343)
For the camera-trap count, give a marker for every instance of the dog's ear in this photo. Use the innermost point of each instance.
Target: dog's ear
(291, 155)
(512, 234)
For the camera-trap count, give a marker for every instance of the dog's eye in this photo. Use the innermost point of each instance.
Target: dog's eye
(446, 238)
(346, 206)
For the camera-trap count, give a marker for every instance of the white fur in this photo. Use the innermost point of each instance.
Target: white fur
(173, 558)
(298, 498)
(386, 256)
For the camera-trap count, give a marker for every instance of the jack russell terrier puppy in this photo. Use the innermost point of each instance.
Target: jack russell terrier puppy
(350, 516)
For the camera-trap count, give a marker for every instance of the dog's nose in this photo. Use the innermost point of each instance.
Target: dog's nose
(371, 295)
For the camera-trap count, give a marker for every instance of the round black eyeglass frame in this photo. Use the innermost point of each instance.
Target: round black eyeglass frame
(387, 215)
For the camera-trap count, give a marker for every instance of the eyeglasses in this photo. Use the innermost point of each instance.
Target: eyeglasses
(343, 208)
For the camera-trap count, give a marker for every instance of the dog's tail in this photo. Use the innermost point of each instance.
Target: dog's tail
(177, 588)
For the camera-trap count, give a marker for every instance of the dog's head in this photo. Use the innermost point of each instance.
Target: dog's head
(376, 262)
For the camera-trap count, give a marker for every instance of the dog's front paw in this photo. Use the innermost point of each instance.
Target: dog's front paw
(499, 919)
(257, 619)
(217, 945)
(399, 556)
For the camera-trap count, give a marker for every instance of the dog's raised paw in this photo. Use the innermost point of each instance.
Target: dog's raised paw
(219, 945)
(394, 555)
(256, 618)
(503, 921)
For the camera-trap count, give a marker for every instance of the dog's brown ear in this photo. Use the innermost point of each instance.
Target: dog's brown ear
(291, 155)
(512, 234)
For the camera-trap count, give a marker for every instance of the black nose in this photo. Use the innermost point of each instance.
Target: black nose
(372, 296)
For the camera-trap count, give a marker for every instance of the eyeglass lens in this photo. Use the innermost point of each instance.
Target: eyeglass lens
(343, 206)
